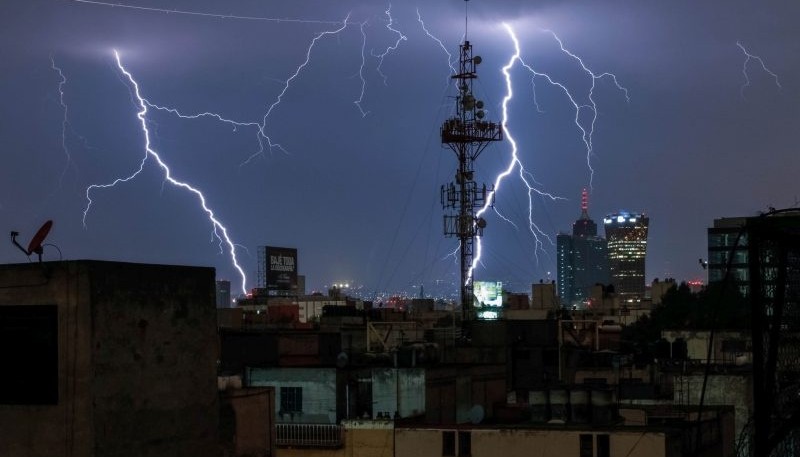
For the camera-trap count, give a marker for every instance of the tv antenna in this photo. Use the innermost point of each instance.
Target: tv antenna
(35, 246)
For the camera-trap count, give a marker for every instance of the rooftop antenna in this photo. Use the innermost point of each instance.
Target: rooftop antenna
(467, 134)
(584, 204)
(35, 246)
(466, 18)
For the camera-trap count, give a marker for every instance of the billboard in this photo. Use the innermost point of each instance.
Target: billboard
(281, 268)
(488, 294)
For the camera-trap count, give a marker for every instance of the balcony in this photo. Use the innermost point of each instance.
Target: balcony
(309, 435)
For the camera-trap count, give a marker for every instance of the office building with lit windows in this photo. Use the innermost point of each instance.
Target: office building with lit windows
(626, 234)
(582, 259)
(729, 246)
(727, 239)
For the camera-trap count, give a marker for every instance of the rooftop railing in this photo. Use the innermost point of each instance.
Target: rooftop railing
(309, 435)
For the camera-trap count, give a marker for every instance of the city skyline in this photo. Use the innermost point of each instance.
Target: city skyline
(707, 132)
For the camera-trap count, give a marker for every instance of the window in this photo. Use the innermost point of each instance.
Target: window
(464, 444)
(586, 445)
(449, 443)
(29, 355)
(291, 399)
(603, 446)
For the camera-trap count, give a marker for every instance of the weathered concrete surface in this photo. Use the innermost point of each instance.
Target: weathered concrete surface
(137, 358)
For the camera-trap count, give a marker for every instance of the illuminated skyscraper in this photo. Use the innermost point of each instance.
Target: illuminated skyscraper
(627, 247)
(582, 258)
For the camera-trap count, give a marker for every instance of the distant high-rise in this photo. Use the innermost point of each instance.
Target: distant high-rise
(627, 247)
(223, 290)
(582, 258)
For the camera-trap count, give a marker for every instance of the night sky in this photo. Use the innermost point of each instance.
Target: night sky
(358, 196)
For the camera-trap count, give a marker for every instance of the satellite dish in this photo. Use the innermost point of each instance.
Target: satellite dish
(477, 60)
(35, 246)
(341, 360)
(36, 242)
(476, 414)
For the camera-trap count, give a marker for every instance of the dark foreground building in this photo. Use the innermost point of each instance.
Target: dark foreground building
(107, 358)
(760, 258)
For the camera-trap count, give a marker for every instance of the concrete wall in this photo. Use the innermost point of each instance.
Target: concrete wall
(697, 344)
(247, 422)
(722, 389)
(543, 296)
(361, 439)
(524, 443)
(154, 353)
(311, 309)
(398, 389)
(137, 356)
(452, 392)
(319, 391)
(66, 427)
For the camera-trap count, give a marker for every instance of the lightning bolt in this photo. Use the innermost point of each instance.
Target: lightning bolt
(515, 163)
(264, 140)
(66, 126)
(219, 230)
(453, 254)
(303, 65)
(438, 41)
(358, 101)
(400, 38)
(747, 59)
(298, 70)
(587, 135)
(65, 119)
(261, 136)
(381, 56)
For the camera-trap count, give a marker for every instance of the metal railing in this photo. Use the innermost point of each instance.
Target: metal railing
(309, 435)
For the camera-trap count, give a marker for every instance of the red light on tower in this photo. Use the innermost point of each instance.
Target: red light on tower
(584, 200)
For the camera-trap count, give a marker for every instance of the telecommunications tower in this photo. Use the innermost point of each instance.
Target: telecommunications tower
(467, 134)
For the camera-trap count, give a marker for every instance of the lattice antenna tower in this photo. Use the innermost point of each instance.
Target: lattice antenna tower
(467, 134)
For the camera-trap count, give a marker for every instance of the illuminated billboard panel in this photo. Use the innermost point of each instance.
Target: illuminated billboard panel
(281, 266)
(488, 294)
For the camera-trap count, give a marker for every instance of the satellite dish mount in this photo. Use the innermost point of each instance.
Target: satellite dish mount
(35, 246)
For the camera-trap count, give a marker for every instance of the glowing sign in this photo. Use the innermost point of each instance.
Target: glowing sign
(488, 294)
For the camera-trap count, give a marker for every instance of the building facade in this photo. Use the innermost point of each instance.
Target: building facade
(223, 292)
(627, 248)
(108, 358)
(727, 242)
(761, 256)
(582, 259)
